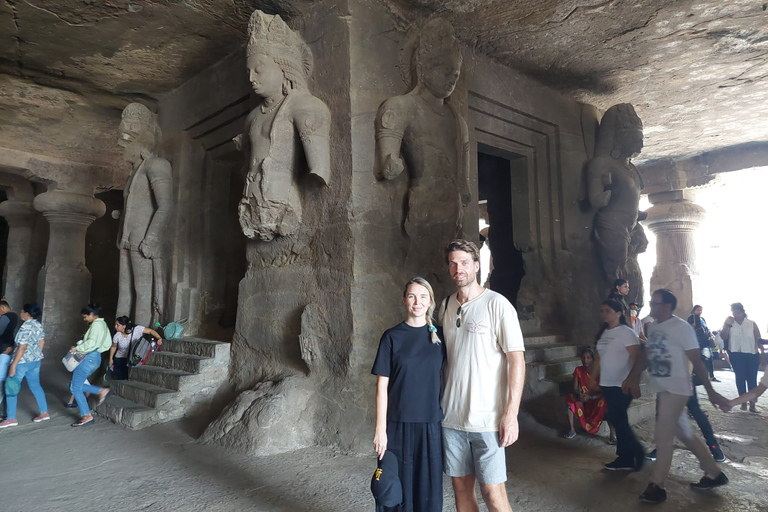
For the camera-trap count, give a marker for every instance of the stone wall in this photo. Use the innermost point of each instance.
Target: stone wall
(308, 325)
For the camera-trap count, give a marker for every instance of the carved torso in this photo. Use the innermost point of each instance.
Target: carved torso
(139, 207)
(625, 188)
(271, 203)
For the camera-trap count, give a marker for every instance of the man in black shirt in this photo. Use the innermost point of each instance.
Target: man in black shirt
(8, 322)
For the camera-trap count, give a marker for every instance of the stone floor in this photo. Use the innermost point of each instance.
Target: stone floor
(50, 466)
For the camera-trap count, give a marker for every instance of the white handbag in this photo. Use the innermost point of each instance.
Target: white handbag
(72, 359)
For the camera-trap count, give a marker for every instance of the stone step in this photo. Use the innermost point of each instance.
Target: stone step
(196, 347)
(126, 413)
(549, 352)
(143, 393)
(180, 380)
(533, 340)
(177, 361)
(553, 369)
(162, 377)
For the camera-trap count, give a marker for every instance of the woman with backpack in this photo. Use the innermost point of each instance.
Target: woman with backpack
(96, 341)
(126, 336)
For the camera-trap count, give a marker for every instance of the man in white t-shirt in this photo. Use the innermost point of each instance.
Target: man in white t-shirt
(671, 350)
(484, 377)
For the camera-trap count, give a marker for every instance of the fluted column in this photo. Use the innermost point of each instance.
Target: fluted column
(20, 216)
(64, 283)
(673, 218)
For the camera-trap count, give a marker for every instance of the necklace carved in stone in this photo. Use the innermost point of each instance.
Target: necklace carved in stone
(273, 107)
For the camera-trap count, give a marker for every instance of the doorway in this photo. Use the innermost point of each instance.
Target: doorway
(502, 179)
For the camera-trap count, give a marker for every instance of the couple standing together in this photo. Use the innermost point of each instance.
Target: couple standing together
(477, 353)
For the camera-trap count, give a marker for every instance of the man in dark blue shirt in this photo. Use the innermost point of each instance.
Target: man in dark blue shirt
(8, 322)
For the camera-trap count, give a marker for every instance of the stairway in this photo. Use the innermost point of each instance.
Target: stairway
(550, 362)
(179, 381)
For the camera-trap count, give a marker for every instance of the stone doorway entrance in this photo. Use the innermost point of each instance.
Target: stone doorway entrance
(501, 187)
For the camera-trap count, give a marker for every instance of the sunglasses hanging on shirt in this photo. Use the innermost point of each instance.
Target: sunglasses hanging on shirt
(458, 317)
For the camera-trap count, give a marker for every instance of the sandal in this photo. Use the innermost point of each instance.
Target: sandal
(83, 422)
(612, 440)
(102, 396)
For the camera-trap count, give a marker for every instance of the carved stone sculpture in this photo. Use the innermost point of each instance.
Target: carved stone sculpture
(289, 127)
(147, 210)
(614, 186)
(423, 133)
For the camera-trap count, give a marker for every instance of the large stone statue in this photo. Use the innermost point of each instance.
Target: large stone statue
(289, 127)
(423, 133)
(614, 186)
(147, 209)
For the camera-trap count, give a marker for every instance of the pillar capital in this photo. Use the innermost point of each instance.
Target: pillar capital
(59, 206)
(17, 212)
(673, 211)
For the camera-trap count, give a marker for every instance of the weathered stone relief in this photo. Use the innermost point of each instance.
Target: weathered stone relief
(289, 127)
(614, 186)
(421, 132)
(148, 207)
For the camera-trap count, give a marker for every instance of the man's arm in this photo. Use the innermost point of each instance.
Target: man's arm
(509, 429)
(4, 321)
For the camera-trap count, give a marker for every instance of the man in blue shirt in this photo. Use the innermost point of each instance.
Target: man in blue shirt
(8, 322)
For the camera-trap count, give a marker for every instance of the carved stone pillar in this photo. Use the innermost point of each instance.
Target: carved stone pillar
(673, 218)
(20, 216)
(64, 283)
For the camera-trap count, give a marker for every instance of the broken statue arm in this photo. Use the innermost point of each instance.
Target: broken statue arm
(390, 128)
(598, 181)
(313, 122)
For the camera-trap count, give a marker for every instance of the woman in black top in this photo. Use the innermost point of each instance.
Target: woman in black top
(408, 413)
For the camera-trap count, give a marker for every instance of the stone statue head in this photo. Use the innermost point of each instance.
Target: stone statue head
(277, 56)
(139, 132)
(621, 132)
(433, 57)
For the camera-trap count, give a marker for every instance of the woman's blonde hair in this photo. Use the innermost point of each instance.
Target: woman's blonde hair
(423, 282)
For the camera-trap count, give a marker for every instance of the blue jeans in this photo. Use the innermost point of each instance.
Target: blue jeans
(30, 371)
(5, 362)
(78, 386)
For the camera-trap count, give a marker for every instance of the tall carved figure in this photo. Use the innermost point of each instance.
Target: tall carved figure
(422, 132)
(290, 127)
(148, 204)
(614, 190)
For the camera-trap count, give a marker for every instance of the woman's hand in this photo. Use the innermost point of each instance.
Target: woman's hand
(111, 363)
(159, 342)
(12, 372)
(73, 349)
(380, 442)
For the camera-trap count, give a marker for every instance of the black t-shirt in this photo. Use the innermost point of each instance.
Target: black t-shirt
(412, 362)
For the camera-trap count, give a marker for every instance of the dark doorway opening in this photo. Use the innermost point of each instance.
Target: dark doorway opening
(102, 256)
(501, 179)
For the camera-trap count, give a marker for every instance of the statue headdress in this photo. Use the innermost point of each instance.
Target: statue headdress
(618, 118)
(435, 37)
(269, 34)
(139, 120)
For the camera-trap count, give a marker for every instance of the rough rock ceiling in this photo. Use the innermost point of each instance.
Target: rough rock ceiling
(695, 70)
(69, 66)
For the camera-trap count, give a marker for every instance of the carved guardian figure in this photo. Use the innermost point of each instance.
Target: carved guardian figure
(148, 204)
(423, 133)
(614, 190)
(286, 134)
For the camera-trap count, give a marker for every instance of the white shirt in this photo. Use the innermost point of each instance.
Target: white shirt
(124, 341)
(669, 368)
(742, 337)
(476, 388)
(615, 362)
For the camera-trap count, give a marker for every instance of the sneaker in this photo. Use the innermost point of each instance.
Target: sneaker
(651, 455)
(44, 416)
(9, 423)
(570, 435)
(653, 494)
(717, 453)
(708, 483)
(70, 405)
(619, 465)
